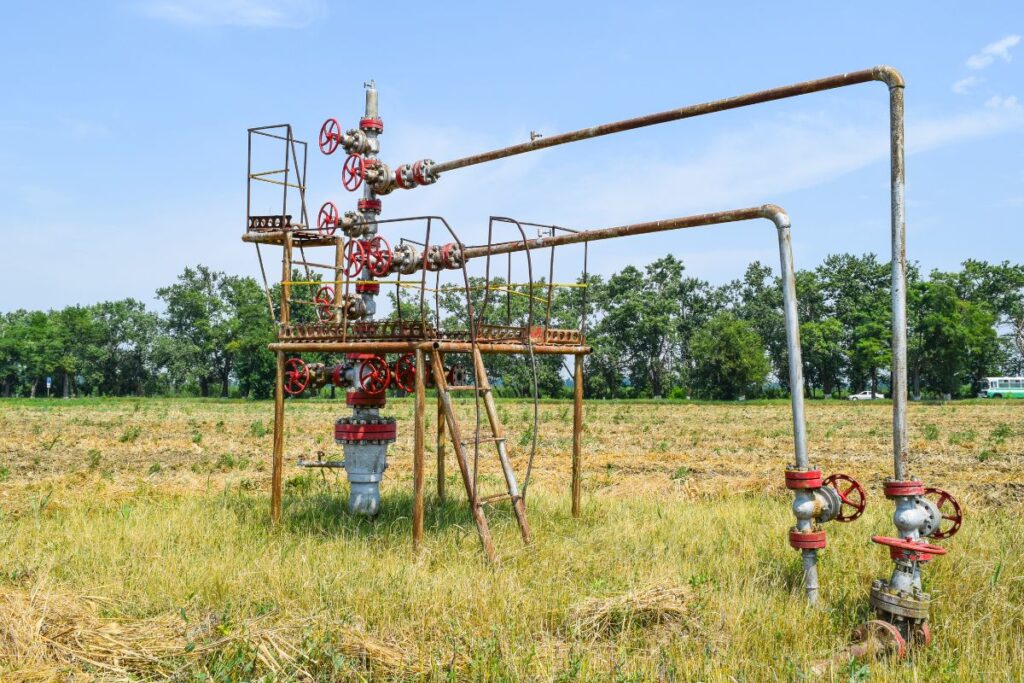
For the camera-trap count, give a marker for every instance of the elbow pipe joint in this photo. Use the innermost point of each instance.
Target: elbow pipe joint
(888, 75)
(776, 214)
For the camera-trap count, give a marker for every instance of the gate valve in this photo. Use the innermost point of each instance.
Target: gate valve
(378, 176)
(352, 172)
(853, 498)
(374, 375)
(324, 301)
(355, 258)
(909, 549)
(379, 256)
(327, 219)
(296, 376)
(404, 374)
(947, 509)
(330, 136)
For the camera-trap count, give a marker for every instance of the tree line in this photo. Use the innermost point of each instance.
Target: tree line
(655, 332)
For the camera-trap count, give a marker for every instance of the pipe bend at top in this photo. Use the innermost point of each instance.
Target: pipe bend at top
(888, 75)
(776, 214)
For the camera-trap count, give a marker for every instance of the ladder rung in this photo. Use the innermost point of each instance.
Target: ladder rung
(497, 498)
(466, 387)
(487, 439)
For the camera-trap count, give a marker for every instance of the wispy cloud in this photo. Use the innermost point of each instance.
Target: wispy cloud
(248, 13)
(964, 85)
(988, 54)
(999, 102)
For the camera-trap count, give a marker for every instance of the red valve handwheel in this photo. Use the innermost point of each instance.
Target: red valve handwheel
(355, 258)
(324, 300)
(352, 172)
(330, 136)
(853, 495)
(915, 547)
(380, 256)
(884, 634)
(943, 501)
(404, 376)
(296, 376)
(327, 219)
(374, 375)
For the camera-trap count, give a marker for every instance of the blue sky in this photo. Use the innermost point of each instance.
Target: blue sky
(123, 126)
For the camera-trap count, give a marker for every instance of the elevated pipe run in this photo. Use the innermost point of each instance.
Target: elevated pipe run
(884, 74)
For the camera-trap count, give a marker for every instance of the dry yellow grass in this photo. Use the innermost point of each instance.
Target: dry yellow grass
(129, 524)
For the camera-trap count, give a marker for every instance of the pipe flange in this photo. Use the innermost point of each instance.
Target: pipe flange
(888, 601)
(367, 288)
(896, 489)
(375, 430)
(405, 259)
(423, 172)
(807, 540)
(372, 123)
(797, 478)
(451, 256)
(361, 399)
(369, 206)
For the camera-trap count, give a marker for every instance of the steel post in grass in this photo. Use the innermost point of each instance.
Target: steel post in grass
(278, 464)
(440, 442)
(577, 435)
(418, 466)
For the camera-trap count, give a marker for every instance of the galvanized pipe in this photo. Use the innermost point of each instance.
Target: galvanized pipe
(796, 371)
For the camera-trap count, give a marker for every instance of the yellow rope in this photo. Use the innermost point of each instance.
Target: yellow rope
(416, 285)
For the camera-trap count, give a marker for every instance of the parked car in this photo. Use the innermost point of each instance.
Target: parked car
(865, 396)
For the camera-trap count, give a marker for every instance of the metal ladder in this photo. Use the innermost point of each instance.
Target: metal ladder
(497, 437)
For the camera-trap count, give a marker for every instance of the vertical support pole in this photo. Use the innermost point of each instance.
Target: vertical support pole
(900, 445)
(278, 465)
(577, 435)
(286, 276)
(418, 465)
(440, 442)
(339, 272)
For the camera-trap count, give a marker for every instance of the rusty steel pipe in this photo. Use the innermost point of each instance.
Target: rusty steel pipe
(699, 220)
(879, 73)
(884, 74)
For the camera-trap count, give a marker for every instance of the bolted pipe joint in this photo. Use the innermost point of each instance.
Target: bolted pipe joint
(408, 176)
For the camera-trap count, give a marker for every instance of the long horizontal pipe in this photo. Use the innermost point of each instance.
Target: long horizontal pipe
(731, 216)
(879, 73)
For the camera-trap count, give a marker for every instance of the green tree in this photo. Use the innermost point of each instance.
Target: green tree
(822, 347)
(729, 358)
(198, 321)
(957, 336)
(757, 299)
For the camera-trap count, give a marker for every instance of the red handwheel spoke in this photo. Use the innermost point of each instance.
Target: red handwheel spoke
(856, 504)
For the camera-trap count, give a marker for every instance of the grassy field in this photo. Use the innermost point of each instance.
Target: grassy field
(134, 544)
